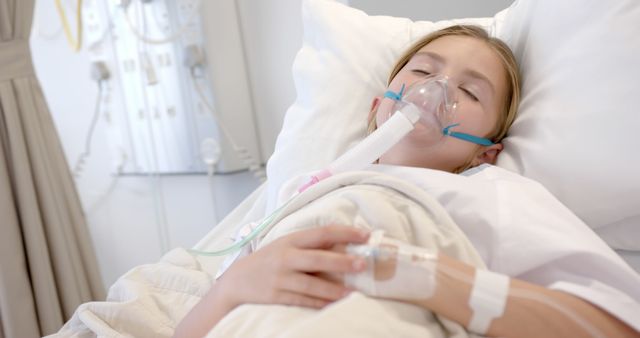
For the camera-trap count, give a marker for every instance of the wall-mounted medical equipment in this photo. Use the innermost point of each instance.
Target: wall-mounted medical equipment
(165, 96)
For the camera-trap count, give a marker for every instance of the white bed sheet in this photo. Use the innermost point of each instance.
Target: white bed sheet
(556, 249)
(631, 257)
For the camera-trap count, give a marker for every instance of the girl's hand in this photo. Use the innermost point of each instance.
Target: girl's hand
(287, 271)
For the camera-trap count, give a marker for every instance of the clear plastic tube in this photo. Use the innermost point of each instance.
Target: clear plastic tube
(266, 223)
(376, 144)
(86, 153)
(548, 301)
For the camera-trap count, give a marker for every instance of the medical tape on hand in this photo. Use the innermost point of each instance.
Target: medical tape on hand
(488, 299)
(406, 272)
(364, 281)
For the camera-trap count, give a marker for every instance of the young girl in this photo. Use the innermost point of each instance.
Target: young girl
(293, 270)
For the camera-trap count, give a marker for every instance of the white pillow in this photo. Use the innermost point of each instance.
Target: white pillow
(580, 107)
(577, 127)
(344, 63)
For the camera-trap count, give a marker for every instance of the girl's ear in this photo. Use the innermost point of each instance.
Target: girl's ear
(374, 104)
(374, 107)
(371, 120)
(488, 154)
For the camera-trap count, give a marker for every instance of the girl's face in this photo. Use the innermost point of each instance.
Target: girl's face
(479, 79)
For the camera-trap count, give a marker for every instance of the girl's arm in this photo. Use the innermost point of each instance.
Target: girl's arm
(283, 272)
(205, 315)
(522, 317)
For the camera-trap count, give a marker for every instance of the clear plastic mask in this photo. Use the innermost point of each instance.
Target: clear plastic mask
(433, 99)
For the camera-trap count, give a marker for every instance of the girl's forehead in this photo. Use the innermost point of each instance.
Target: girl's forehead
(454, 44)
(470, 54)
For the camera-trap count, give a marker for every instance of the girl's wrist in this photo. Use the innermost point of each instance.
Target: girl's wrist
(223, 298)
(452, 290)
(215, 304)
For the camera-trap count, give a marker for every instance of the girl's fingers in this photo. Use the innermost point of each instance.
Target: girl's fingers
(296, 299)
(323, 261)
(326, 237)
(313, 286)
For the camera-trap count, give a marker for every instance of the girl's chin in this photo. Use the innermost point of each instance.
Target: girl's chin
(395, 159)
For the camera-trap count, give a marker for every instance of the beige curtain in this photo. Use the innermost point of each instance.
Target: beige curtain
(47, 263)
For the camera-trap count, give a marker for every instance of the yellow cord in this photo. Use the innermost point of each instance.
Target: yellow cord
(75, 43)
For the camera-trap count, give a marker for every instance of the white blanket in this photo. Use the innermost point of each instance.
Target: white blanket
(365, 200)
(151, 300)
(147, 301)
(518, 228)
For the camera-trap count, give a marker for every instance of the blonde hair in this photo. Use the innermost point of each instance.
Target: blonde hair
(512, 99)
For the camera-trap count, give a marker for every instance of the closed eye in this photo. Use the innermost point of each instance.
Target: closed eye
(421, 72)
(469, 94)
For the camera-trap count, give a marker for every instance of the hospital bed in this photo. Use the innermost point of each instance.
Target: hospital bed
(573, 134)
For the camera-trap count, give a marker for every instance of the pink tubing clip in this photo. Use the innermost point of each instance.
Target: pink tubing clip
(315, 179)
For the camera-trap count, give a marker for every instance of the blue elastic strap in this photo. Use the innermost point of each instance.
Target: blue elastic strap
(466, 137)
(395, 96)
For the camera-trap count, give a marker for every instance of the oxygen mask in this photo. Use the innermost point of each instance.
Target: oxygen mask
(429, 103)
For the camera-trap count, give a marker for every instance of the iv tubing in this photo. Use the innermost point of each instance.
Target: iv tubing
(377, 252)
(237, 246)
(155, 179)
(515, 292)
(242, 152)
(80, 162)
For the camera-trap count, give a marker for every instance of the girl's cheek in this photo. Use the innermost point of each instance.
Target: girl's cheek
(384, 111)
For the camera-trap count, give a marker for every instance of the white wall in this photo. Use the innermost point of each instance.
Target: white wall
(272, 33)
(124, 214)
(432, 10)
